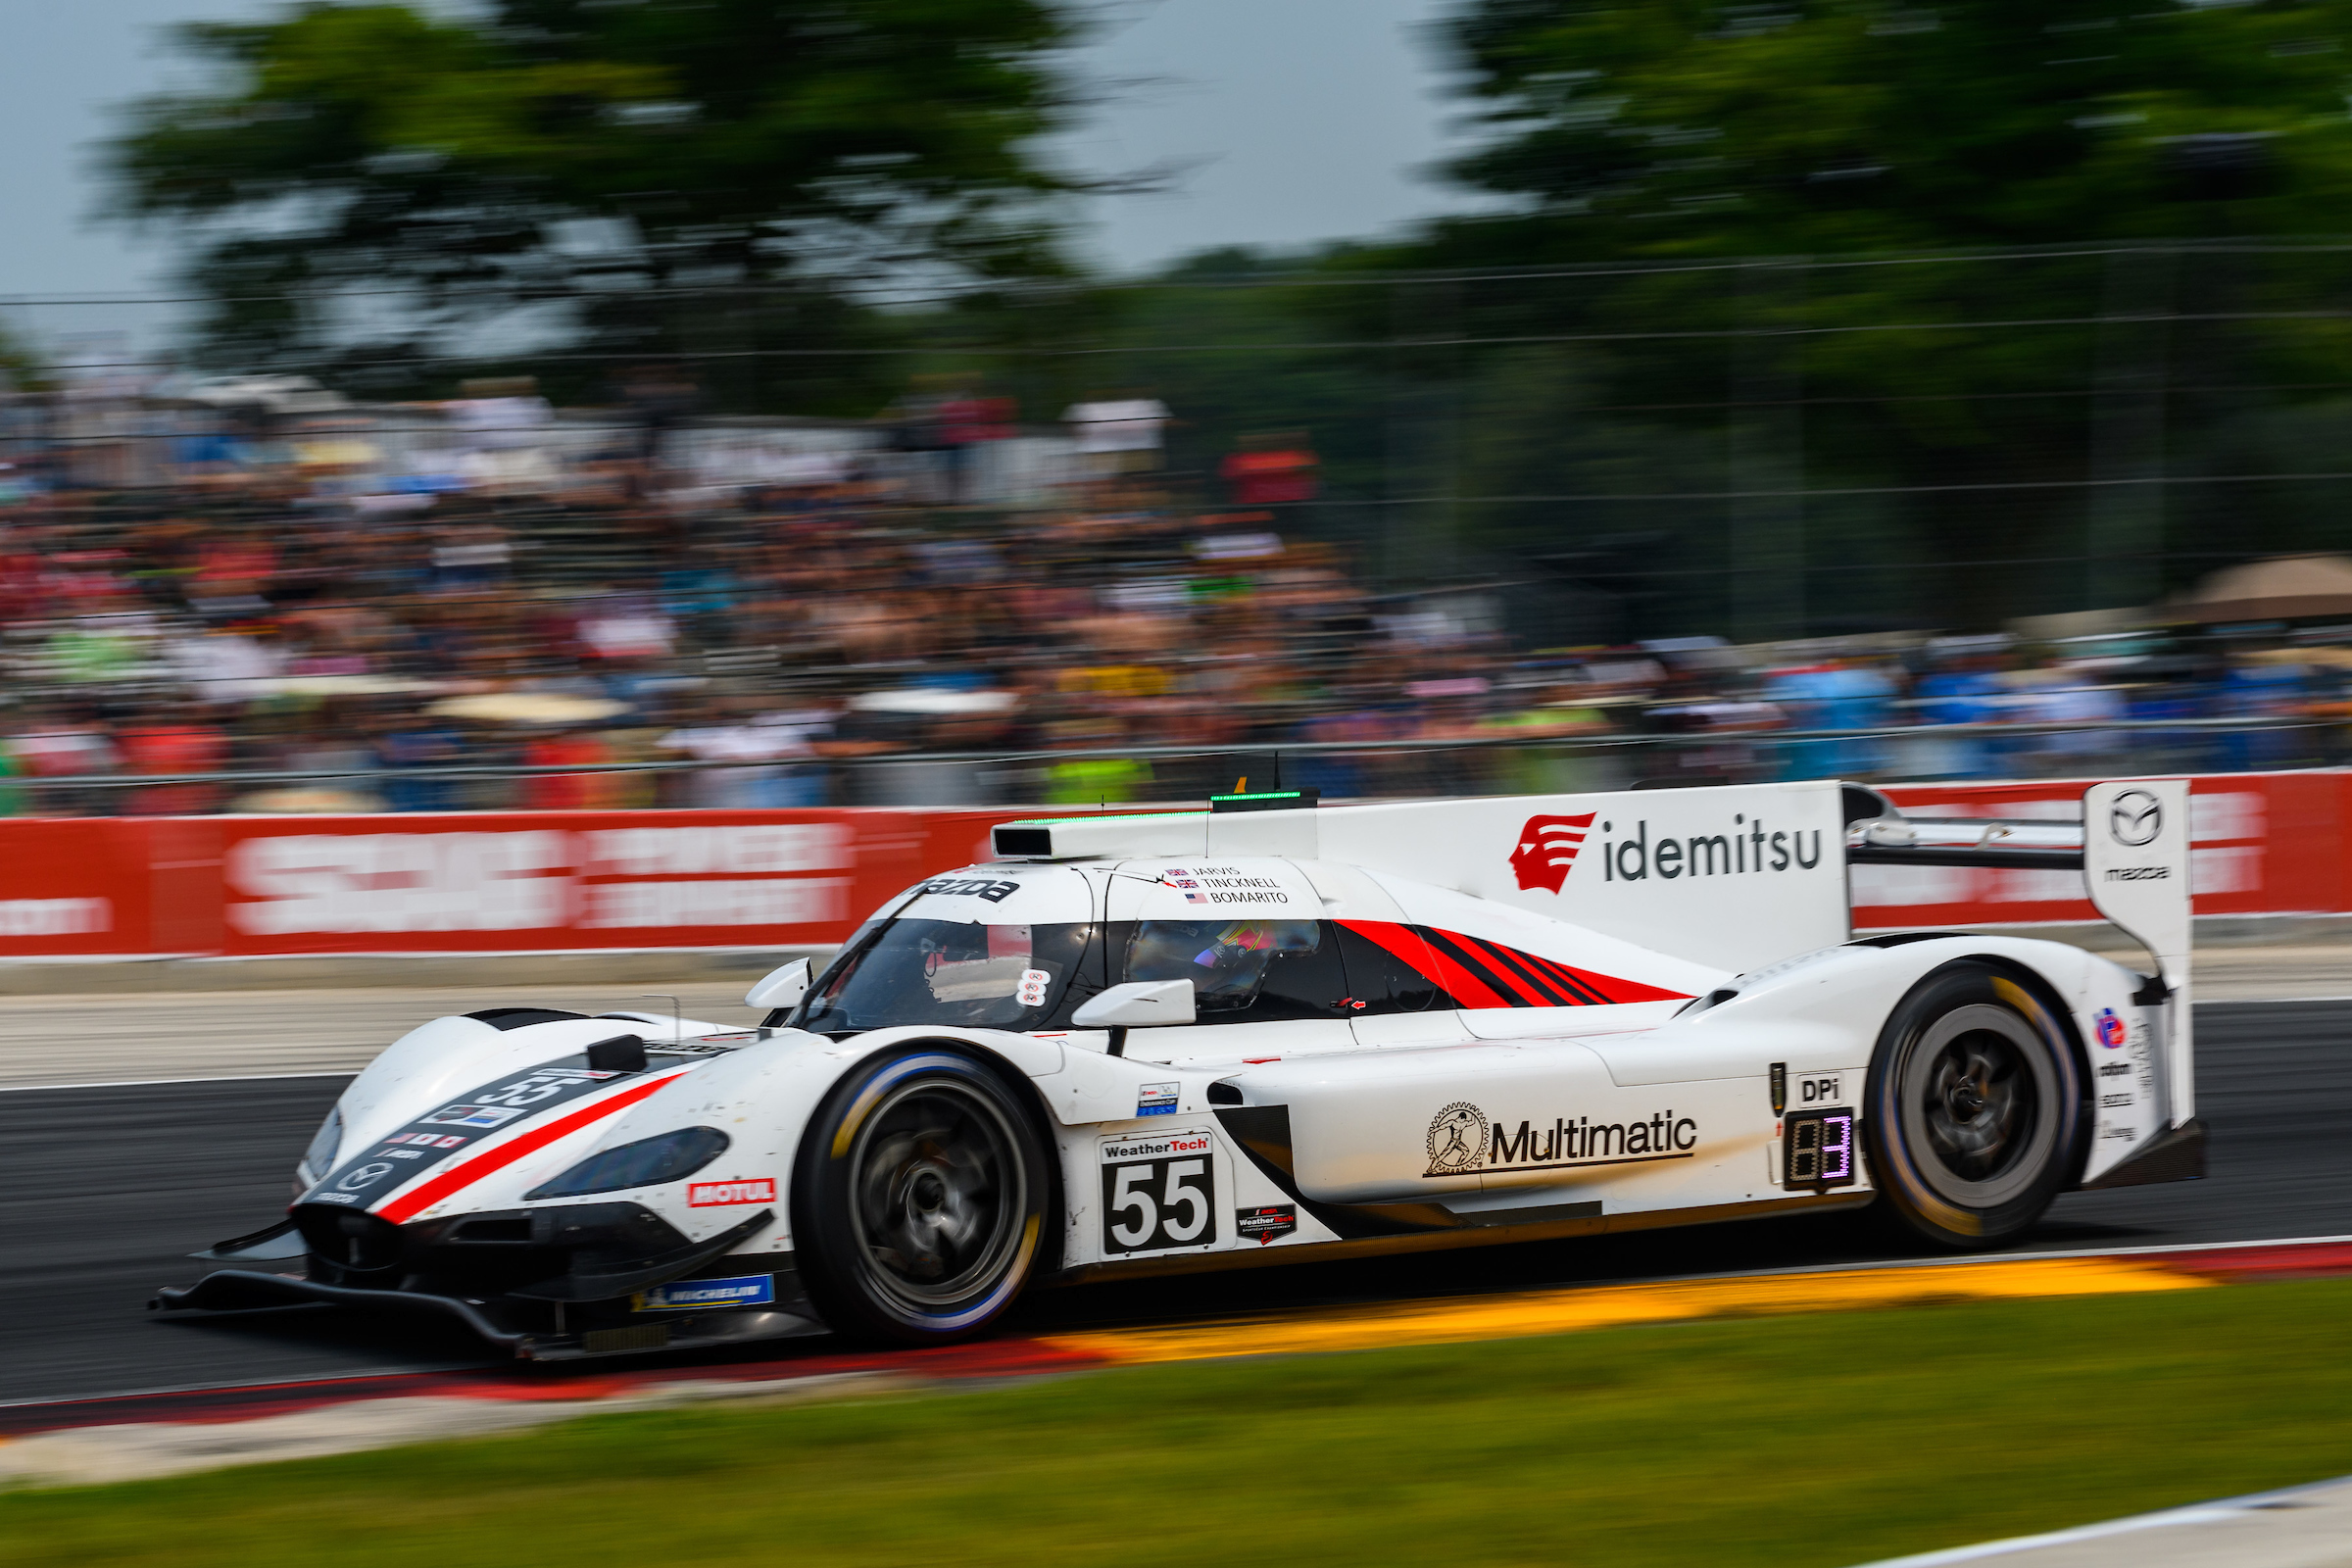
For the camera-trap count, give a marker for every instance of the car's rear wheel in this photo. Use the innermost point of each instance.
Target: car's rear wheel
(920, 1198)
(1975, 1108)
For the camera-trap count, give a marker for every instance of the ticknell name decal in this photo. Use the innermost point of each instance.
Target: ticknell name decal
(1462, 1138)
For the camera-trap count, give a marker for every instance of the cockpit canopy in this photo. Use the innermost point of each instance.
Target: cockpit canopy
(1001, 976)
(1021, 947)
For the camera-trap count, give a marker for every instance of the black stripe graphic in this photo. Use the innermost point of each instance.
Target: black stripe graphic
(1518, 962)
(1480, 970)
(1592, 995)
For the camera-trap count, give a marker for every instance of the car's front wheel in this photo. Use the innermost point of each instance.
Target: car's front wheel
(1975, 1108)
(919, 1198)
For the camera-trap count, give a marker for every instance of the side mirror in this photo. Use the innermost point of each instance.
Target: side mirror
(1137, 1004)
(781, 988)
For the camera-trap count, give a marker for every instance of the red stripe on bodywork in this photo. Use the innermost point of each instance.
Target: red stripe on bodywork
(1567, 979)
(1424, 960)
(1613, 989)
(425, 1194)
(1529, 973)
(1497, 976)
(1431, 962)
(1562, 975)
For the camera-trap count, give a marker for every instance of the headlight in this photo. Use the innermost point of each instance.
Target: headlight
(647, 1162)
(319, 1157)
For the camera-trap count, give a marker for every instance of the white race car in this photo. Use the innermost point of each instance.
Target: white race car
(1193, 1040)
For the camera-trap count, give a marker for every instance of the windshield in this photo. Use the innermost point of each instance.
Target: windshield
(1226, 961)
(947, 972)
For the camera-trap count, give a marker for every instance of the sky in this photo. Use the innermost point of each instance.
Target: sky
(1289, 121)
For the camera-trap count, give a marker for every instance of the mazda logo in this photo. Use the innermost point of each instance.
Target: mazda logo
(363, 1176)
(2135, 817)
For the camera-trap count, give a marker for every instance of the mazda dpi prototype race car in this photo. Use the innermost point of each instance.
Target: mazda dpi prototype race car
(1264, 1032)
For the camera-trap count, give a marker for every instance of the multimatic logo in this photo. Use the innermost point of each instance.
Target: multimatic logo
(1462, 1139)
(1457, 1139)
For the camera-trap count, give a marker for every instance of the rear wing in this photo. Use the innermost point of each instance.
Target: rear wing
(2132, 848)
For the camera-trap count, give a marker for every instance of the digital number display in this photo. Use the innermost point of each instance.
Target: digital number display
(1817, 1147)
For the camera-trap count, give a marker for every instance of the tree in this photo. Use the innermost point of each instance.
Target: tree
(21, 367)
(1661, 128)
(1981, 259)
(651, 174)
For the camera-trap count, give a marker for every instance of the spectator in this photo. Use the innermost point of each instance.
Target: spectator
(734, 617)
(164, 747)
(568, 747)
(419, 743)
(1270, 471)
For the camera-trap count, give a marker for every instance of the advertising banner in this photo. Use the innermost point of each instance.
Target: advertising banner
(465, 882)
(536, 881)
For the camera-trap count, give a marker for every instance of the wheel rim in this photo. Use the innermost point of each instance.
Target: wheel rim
(1978, 1106)
(938, 1194)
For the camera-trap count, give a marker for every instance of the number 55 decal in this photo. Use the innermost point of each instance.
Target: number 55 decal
(1159, 1193)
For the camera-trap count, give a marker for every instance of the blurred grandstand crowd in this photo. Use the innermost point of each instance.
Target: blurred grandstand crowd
(865, 626)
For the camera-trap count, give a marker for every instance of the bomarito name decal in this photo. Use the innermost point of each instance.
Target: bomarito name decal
(1462, 1138)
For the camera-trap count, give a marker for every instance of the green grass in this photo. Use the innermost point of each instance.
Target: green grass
(1825, 1439)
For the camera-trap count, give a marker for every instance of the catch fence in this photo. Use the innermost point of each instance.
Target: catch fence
(1760, 448)
(1079, 778)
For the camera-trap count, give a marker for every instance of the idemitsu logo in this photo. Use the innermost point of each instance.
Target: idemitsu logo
(1547, 848)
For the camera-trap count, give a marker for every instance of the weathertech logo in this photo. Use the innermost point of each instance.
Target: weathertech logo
(1547, 848)
(713, 1194)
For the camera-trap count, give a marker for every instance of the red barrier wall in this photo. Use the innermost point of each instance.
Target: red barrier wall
(464, 882)
(77, 887)
(536, 881)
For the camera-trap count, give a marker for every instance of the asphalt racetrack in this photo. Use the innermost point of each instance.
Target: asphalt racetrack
(104, 1191)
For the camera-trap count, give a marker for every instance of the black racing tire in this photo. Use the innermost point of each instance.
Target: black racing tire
(1974, 1116)
(920, 1198)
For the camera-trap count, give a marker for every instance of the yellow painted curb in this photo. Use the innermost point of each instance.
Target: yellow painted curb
(1566, 1311)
